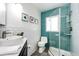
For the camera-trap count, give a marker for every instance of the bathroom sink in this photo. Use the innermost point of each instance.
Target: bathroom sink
(13, 37)
(11, 46)
(10, 41)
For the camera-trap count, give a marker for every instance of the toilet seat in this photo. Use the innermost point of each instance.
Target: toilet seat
(41, 43)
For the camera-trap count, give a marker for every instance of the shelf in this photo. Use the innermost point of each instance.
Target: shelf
(68, 34)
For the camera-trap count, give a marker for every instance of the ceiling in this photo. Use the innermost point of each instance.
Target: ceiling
(47, 6)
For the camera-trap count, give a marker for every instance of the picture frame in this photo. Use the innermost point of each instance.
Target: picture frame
(25, 17)
(36, 21)
(32, 19)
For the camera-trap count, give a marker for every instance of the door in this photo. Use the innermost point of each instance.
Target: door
(65, 32)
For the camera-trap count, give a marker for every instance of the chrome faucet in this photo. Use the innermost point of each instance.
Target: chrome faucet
(4, 34)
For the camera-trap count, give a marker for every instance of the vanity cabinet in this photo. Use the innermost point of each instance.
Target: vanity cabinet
(2, 14)
(24, 50)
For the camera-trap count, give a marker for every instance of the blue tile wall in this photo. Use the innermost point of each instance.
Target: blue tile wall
(53, 40)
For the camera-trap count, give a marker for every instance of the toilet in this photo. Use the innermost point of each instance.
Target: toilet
(41, 44)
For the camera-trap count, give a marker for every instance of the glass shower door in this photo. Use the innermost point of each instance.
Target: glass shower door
(52, 28)
(56, 26)
(65, 33)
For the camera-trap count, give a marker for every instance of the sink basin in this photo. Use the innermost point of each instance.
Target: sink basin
(10, 41)
(11, 45)
(13, 37)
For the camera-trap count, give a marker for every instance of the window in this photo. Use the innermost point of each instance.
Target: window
(52, 24)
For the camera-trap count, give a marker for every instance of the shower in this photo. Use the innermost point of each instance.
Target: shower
(56, 25)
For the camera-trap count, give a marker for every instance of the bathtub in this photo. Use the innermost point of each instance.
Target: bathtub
(56, 52)
(11, 46)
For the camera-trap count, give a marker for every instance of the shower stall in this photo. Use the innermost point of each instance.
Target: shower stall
(56, 25)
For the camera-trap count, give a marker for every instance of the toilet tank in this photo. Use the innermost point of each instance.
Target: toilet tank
(44, 39)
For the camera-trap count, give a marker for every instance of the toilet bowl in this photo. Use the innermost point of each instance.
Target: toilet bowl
(41, 44)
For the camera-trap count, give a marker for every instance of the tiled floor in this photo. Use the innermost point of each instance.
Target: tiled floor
(45, 53)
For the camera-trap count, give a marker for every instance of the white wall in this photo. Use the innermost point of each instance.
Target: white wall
(75, 30)
(14, 22)
(31, 31)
